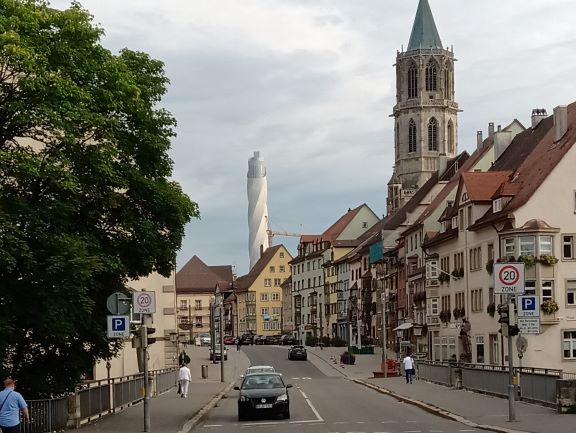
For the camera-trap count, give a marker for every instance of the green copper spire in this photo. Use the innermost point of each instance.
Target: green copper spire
(424, 33)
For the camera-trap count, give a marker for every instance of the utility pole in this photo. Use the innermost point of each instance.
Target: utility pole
(212, 332)
(221, 329)
(190, 324)
(384, 354)
(144, 342)
(511, 396)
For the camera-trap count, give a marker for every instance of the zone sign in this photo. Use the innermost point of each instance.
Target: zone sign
(509, 278)
(144, 302)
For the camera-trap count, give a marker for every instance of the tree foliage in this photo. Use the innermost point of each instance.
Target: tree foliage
(86, 200)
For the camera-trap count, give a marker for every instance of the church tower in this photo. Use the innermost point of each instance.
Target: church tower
(425, 113)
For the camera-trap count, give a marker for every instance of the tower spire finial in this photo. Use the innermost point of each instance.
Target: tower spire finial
(424, 33)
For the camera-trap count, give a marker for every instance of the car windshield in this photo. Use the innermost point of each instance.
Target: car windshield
(298, 347)
(262, 381)
(253, 370)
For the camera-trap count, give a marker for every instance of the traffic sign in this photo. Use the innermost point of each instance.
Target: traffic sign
(144, 302)
(509, 278)
(529, 306)
(118, 326)
(529, 325)
(118, 303)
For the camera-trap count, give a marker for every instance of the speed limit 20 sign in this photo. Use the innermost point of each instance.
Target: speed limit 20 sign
(509, 278)
(144, 302)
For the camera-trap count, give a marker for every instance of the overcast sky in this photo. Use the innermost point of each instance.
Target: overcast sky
(311, 85)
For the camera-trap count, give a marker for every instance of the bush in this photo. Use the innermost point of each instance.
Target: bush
(325, 341)
(338, 342)
(311, 341)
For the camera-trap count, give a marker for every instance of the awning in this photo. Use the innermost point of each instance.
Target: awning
(403, 326)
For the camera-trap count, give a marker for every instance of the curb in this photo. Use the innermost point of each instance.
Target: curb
(436, 410)
(192, 422)
(339, 370)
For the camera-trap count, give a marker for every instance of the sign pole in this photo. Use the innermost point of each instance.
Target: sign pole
(511, 397)
(146, 405)
(221, 329)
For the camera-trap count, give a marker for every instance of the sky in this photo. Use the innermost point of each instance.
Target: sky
(311, 84)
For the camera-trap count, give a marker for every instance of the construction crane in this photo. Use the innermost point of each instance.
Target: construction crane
(272, 233)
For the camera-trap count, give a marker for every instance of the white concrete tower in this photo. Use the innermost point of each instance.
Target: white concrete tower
(257, 208)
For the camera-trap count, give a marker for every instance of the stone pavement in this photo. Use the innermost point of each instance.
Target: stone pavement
(474, 409)
(168, 412)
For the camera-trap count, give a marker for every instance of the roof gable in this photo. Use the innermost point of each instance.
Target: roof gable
(480, 186)
(244, 282)
(424, 32)
(196, 276)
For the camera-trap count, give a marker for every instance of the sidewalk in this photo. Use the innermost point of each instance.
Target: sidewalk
(474, 409)
(168, 412)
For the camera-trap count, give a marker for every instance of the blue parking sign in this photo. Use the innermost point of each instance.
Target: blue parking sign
(528, 306)
(118, 326)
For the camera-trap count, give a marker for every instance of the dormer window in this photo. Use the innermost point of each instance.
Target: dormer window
(497, 205)
(444, 226)
(454, 222)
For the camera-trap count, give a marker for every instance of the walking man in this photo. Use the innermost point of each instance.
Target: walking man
(184, 378)
(409, 367)
(238, 343)
(11, 404)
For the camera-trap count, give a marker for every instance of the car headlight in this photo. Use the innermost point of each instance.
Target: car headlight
(244, 398)
(283, 397)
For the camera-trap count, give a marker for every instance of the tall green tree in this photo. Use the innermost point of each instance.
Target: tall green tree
(86, 200)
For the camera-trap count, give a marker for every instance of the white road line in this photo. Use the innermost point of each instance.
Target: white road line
(389, 422)
(436, 431)
(467, 430)
(412, 431)
(340, 422)
(212, 425)
(256, 424)
(318, 417)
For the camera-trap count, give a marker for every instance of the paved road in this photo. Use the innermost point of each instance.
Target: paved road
(323, 403)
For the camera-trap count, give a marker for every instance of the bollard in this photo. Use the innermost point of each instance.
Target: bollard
(204, 372)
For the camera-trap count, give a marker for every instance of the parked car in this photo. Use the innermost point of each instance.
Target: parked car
(256, 369)
(204, 339)
(247, 339)
(272, 339)
(287, 340)
(229, 340)
(219, 354)
(297, 352)
(259, 339)
(263, 394)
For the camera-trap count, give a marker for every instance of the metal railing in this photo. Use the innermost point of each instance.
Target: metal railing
(94, 399)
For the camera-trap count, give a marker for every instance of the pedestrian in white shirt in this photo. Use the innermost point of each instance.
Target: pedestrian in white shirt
(184, 378)
(409, 367)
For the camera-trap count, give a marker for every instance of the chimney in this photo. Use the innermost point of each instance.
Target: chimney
(479, 140)
(442, 164)
(538, 114)
(491, 129)
(560, 121)
(499, 128)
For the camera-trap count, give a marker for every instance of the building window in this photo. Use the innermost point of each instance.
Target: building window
(267, 282)
(198, 304)
(445, 302)
(183, 304)
(494, 349)
(272, 269)
(475, 258)
(459, 300)
(434, 306)
(480, 349)
(469, 216)
(545, 245)
(569, 344)
(547, 290)
(509, 247)
(431, 77)
(527, 247)
(412, 136)
(264, 311)
(412, 81)
(461, 219)
(275, 311)
(477, 304)
(364, 224)
(264, 297)
(571, 293)
(433, 135)
(282, 268)
(490, 251)
(497, 205)
(448, 82)
(275, 296)
(450, 132)
(568, 247)
(281, 255)
(530, 287)
(397, 147)
(454, 222)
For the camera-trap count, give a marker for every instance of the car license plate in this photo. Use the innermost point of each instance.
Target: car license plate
(264, 406)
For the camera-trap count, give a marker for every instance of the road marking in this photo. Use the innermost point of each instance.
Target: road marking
(318, 417)
(212, 425)
(389, 422)
(467, 430)
(436, 431)
(412, 431)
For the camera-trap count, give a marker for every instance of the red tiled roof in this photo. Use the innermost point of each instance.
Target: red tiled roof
(480, 186)
(197, 277)
(336, 229)
(536, 224)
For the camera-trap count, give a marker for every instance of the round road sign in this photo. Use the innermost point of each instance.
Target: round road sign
(118, 304)
(509, 275)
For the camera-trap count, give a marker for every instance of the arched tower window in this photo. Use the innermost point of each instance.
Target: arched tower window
(412, 136)
(450, 133)
(448, 82)
(433, 135)
(431, 77)
(412, 81)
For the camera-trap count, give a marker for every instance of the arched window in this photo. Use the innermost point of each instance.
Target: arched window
(431, 77)
(433, 135)
(448, 82)
(450, 133)
(412, 137)
(412, 81)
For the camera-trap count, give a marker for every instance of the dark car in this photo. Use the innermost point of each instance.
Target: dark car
(271, 339)
(219, 354)
(259, 339)
(297, 352)
(247, 339)
(287, 340)
(263, 394)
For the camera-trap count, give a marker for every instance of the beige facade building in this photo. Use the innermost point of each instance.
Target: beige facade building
(259, 293)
